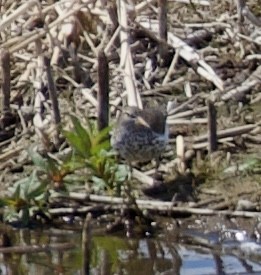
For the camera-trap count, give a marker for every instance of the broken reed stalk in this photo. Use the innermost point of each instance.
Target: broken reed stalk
(240, 5)
(232, 132)
(86, 244)
(52, 92)
(163, 31)
(37, 248)
(212, 127)
(180, 152)
(109, 203)
(6, 76)
(75, 61)
(243, 11)
(162, 15)
(126, 60)
(112, 12)
(103, 91)
(105, 268)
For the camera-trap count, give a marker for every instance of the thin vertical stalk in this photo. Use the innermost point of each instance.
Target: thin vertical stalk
(6, 78)
(103, 91)
(86, 244)
(212, 127)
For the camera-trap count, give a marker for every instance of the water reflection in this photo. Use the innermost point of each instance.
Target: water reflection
(118, 255)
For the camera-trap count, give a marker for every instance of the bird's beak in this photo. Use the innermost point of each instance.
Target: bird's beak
(141, 121)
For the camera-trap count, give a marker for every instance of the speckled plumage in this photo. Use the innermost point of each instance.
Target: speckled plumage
(140, 135)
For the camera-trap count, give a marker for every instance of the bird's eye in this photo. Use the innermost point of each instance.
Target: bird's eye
(131, 115)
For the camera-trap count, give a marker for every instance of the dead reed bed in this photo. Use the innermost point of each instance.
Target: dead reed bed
(199, 60)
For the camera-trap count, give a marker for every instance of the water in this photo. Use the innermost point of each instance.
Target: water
(189, 253)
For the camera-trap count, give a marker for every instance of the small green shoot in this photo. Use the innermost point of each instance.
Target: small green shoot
(28, 197)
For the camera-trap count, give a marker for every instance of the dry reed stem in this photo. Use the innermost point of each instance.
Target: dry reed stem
(163, 29)
(23, 41)
(245, 86)
(133, 96)
(158, 206)
(52, 93)
(186, 52)
(86, 244)
(212, 127)
(7, 21)
(36, 248)
(103, 91)
(228, 132)
(6, 78)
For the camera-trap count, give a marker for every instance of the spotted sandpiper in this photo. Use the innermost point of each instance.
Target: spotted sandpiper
(140, 135)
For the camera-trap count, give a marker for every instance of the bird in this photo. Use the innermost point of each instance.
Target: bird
(140, 135)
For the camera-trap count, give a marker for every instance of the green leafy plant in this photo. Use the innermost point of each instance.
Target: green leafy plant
(90, 160)
(91, 150)
(28, 197)
(51, 170)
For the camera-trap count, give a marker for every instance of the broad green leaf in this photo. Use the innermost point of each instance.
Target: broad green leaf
(105, 145)
(37, 190)
(38, 160)
(77, 143)
(25, 188)
(73, 162)
(122, 172)
(100, 136)
(16, 191)
(53, 166)
(6, 202)
(10, 215)
(81, 132)
(98, 183)
(76, 179)
(32, 180)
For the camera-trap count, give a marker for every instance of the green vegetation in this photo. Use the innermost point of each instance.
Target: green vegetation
(92, 150)
(28, 197)
(90, 161)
